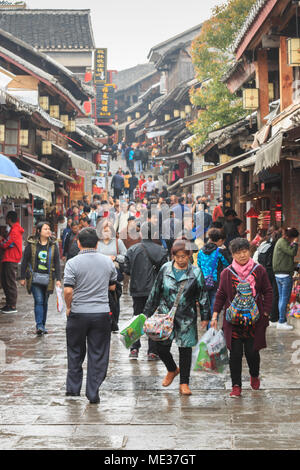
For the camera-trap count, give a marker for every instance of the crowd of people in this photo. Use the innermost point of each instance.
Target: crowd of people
(147, 243)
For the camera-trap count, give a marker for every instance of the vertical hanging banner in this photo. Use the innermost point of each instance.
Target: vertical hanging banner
(227, 191)
(100, 66)
(105, 102)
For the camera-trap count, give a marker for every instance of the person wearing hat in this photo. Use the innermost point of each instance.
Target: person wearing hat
(218, 210)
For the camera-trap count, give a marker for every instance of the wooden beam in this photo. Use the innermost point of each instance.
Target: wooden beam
(286, 76)
(262, 83)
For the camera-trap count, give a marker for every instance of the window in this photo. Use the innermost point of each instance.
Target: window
(11, 144)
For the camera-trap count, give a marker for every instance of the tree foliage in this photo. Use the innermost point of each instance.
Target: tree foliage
(212, 57)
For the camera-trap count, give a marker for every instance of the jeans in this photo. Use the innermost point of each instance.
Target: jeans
(138, 166)
(41, 297)
(212, 297)
(285, 285)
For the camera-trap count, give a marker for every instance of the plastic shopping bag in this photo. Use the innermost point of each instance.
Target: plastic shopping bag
(210, 354)
(131, 333)
(61, 307)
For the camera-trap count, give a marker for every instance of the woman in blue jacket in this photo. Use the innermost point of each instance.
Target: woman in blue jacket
(212, 260)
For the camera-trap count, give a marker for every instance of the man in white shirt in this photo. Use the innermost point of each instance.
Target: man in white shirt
(149, 186)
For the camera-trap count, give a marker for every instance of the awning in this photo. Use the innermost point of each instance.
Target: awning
(13, 187)
(35, 162)
(178, 156)
(38, 191)
(188, 140)
(77, 162)
(204, 175)
(44, 182)
(268, 155)
(152, 135)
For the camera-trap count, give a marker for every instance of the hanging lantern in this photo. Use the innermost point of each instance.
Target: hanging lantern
(224, 158)
(149, 106)
(97, 158)
(87, 107)
(252, 213)
(250, 98)
(54, 111)
(188, 109)
(128, 118)
(46, 147)
(24, 137)
(44, 102)
(137, 115)
(293, 52)
(167, 117)
(182, 114)
(71, 126)
(88, 77)
(65, 120)
(271, 92)
(176, 113)
(2, 132)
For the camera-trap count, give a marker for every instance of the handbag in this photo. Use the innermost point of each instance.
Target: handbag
(160, 326)
(42, 279)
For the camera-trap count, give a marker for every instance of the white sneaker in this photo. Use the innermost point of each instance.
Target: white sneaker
(273, 323)
(284, 326)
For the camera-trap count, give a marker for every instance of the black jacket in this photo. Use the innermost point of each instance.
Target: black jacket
(70, 247)
(142, 263)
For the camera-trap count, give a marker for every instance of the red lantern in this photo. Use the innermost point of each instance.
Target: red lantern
(97, 158)
(252, 213)
(87, 107)
(88, 77)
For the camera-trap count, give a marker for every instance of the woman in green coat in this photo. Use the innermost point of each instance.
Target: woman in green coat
(163, 296)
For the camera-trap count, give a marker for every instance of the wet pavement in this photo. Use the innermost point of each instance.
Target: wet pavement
(136, 412)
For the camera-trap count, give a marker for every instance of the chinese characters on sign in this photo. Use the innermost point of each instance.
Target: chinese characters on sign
(100, 66)
(105, 102)
(228, 190)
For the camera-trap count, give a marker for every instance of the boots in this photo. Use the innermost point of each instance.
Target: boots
(170, 377)
(184, 389)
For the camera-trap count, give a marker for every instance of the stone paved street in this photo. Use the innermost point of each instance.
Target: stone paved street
(135, 411)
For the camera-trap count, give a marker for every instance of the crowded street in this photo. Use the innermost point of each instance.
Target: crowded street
(150, 228)
(135, 411)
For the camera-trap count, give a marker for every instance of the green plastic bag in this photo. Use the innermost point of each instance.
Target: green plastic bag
(133, 331)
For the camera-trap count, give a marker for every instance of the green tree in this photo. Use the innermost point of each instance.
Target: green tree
(212, 57)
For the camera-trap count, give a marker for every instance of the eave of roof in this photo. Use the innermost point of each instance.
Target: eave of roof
(43, 76)
(82, 91)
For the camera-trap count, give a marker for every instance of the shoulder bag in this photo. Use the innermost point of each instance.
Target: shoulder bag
(160, 326)
(43, 279)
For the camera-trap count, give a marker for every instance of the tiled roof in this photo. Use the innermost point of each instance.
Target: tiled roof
(50, 29)
(129, 77)
(255, 10)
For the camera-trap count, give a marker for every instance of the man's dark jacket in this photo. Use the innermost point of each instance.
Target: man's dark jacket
(142, 263)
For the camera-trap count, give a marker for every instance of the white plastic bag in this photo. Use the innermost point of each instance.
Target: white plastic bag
(210, 354)
(61, 307)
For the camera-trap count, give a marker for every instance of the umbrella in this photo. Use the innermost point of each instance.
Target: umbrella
(8, 168)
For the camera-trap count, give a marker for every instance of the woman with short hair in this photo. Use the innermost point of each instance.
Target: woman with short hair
(243, 337)
(162, 297)
(41, 267)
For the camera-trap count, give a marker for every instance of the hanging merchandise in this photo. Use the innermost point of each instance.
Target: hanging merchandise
(264, 219)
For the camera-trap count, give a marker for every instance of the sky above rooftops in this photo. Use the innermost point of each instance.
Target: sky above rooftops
(130, 28)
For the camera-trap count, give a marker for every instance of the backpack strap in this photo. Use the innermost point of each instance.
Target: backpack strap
(215, 261)
(229, 268)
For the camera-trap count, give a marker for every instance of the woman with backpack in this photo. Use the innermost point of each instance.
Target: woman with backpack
(246, 293)
(211, 261)
(174, 277)
(41, 267)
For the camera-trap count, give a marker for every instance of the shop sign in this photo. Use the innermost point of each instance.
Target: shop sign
(100, 66)
(105, 102)
(227, 191)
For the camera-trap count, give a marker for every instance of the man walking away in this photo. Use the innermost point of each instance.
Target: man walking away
(70, 246)
(12, 247)
(88, 278)
(117, 184)
(142, 263)
(138, 160)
